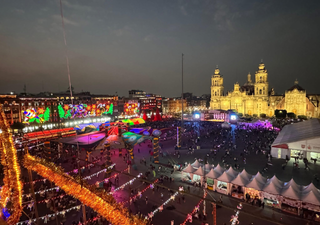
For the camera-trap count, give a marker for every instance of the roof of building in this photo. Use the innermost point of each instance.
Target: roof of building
(296, 86)
(308, 129)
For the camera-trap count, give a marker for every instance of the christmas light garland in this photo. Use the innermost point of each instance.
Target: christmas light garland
(97, 173)
(196, 208)
(100, 201)
(140, 193)
(12, 189)
(72, 171)
(49, 215)
(160, 208)
(113, 176)
(125, 184)
(45, 200)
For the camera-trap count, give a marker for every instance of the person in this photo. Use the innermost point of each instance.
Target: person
(262, 204)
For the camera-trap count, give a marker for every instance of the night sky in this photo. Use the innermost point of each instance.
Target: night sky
(115, 46)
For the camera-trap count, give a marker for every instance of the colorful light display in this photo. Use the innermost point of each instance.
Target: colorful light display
(12, 188)
(131, 108)
(100, 201)
(84, 110)
(38, 116)
(196, 208)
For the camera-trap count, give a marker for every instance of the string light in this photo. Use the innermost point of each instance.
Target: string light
(113, 176)
(100, 201)
(140, 193)
(196, 208)
(160, 208)
(235, 218)
(97, 173)
(49, 215)
(125, 184)
(12, 189)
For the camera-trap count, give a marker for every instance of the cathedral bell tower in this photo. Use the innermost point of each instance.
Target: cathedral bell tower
(261, 83)
(216, 89)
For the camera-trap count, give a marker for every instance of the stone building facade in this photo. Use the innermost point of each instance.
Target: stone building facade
(255, 98)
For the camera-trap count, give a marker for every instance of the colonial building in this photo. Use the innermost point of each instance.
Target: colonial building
(255, 98)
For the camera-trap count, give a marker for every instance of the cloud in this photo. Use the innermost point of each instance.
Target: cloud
(123, 31)
(77, 6)
(183, 10)
(149, 38)
(66, 21)
(18, 11)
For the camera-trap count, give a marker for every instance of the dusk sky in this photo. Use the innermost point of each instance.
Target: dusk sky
(115, 46)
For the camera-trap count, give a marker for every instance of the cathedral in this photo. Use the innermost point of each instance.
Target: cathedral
(255, 98)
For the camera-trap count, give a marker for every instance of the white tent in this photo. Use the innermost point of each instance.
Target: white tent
(196, 164)
(289, 192)
(272, 188)
(244, 174)
(304, 136)
(278, 183)
(311, 187)
(207, 167)
(199, 172)
(294, 185)
(255, 184)
(219, 169)
(240, 181)
(212, 174)
(260, 178)
(189, 169)
(225, 177)
(311, 198)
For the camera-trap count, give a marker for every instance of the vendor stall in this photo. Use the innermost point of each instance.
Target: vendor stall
(237, 188)
(254, 187)
(187, 174)
(198, 176)
(212, 175)
(223, 181)
(311, 203)
(290, 200)
(196, 164)
(271, 192)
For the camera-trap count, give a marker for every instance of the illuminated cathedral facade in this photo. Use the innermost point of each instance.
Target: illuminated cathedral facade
(255, 98)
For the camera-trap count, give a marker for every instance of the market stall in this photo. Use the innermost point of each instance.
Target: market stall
(196, 164)
(237, 188)
(290, 200)
(208, 167)
(271, 192)
(311, 203)
(254, 187)
(212, 175)
(187, 173)
(224, 181)
(198, 176)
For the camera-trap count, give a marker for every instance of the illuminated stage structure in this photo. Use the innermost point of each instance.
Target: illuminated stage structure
(11, 192)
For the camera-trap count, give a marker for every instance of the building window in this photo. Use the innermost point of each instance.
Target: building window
(260, 91)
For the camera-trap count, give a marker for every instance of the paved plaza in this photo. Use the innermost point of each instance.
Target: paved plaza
(183, 204)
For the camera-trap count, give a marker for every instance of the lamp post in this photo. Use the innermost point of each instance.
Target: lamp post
(182, 93)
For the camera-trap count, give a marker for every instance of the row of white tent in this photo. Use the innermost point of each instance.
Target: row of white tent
(291, 190)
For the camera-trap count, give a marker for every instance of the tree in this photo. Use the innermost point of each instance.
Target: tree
(302, 117)
(291, 115)
(46, 115)
(263, 115)
(280, 114)
(61, 111)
